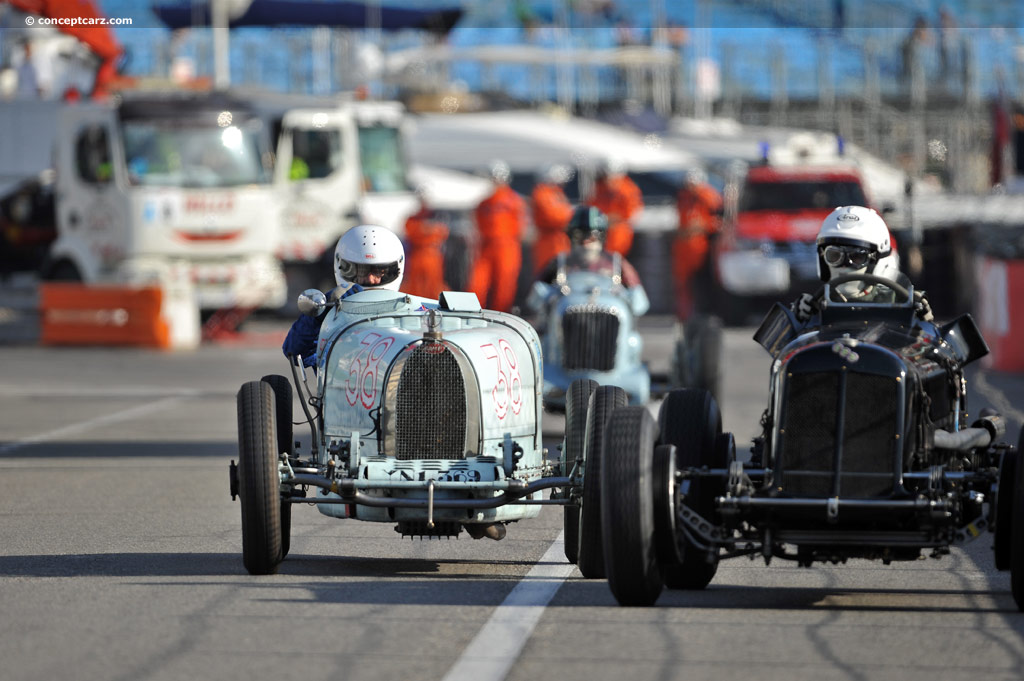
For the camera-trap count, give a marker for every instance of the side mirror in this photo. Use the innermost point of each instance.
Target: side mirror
(312, 302)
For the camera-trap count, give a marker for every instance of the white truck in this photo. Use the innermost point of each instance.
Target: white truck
(149, 187)
(340, 162)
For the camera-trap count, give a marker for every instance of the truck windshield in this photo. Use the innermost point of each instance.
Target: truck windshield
(380, 151)
(177, 154)
(811, 194)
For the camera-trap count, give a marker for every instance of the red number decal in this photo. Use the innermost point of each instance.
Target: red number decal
(508, 385)
(361, 385)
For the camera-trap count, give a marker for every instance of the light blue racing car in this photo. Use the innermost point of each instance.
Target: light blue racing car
(587, 322)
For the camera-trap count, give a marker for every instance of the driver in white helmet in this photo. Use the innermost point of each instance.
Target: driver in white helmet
(366, 258)
(855, 240)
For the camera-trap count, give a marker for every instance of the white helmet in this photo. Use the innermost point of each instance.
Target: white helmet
(500, 172)
(370, 256)
(695, 176)
(855, 240)
(557, 173)
(611, 166)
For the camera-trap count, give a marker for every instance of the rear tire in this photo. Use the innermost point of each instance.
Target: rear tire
(690, 420)
(1004, 509)
(627, 487)
(282, 411)
(605, 400)
(285, 430)
(1017, 534)
(259, 481)
(577, 399)
(708, 355)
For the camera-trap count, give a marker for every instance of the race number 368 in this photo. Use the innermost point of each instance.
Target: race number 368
(508, 385)
(362, 375)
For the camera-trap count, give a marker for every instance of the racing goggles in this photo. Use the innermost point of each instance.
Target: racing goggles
(370, 275)
(847, 256)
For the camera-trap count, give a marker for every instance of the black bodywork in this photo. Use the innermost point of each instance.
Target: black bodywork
(867, 450)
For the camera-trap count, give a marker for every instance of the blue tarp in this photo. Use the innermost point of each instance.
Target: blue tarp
(315, 13)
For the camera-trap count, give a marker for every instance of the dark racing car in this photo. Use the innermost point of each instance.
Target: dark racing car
(867, 451)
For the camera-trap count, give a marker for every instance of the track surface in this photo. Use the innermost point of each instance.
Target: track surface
(120, 560)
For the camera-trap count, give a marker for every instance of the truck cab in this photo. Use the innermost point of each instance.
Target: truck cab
(154, 188)
(339, 163)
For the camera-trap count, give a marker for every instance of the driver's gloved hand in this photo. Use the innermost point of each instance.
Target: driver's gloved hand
(922, 308)
(302, 338)
(804, 307)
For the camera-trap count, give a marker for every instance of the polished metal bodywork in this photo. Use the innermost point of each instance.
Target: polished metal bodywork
(416, 395)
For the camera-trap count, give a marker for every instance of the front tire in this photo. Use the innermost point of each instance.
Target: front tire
(577, 399)
(259, 481)
(690, 420)
(627, 488)
(605, 400)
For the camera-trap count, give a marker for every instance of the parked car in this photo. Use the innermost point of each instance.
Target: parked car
(867, 452)
(589, 330)
(424, 415)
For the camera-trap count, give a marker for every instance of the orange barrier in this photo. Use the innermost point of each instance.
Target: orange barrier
(1001, 311)
(76, 314)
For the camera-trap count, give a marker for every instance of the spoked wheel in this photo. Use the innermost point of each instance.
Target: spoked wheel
(605, 400)
(1017, 533)
(690, 420)
(577, 399)
(1004, 508)
(283, 423)
(627, 486)
(259, 481)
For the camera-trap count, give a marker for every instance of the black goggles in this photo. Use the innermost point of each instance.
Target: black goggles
(361, 273)
(847, 256)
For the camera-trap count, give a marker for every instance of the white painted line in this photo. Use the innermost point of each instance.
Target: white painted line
(90, 424)
(16, 390)
(491, 654)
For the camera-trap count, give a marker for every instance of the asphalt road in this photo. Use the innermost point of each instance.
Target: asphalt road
(120, 560)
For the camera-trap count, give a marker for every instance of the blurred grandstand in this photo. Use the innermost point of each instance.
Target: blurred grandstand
(922, 101)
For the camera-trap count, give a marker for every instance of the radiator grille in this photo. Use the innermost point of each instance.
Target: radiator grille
(430, 412)
(589, 337)
(808, 457)
(810, 433)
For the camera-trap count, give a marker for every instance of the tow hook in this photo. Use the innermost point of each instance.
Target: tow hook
(233, 477)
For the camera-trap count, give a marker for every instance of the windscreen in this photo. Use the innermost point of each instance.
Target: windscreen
(380, 151)
(803, 195)
(316, 154)
(182, 153)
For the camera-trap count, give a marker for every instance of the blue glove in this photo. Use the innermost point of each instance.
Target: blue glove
(301, 340)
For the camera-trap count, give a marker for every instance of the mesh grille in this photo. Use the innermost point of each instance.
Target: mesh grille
(868, 435)
(808, 453)
(430, 411)
(589, 338)
(810, 424)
